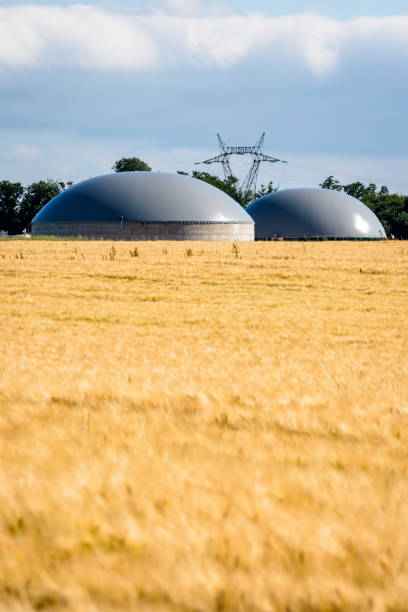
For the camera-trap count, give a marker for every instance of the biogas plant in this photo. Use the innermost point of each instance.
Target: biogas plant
(162, 206)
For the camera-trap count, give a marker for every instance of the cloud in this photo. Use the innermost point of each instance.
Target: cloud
(190, 8)
(180, 33)
(23, 153)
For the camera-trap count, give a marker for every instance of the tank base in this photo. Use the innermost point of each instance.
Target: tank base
(240, 232)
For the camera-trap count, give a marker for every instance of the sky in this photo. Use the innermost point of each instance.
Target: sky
(83, 84)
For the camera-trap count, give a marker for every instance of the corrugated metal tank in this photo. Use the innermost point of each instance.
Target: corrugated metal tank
(144, 206)
(313, 213)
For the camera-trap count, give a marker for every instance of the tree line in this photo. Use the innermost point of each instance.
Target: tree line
(19, 204)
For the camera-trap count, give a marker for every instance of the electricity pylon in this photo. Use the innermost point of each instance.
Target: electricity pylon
(248, 186)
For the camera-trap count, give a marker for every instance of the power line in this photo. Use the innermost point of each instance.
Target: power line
(249, 184)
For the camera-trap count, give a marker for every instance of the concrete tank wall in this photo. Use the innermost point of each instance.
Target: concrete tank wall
(227, 232)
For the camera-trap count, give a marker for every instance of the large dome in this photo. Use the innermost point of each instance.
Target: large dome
(145, 205)
(313, 213)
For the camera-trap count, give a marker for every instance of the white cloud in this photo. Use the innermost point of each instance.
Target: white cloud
(23, 152)
(190, 8)
(181, 33)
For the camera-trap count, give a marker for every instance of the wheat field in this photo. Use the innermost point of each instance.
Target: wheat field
(193, 426)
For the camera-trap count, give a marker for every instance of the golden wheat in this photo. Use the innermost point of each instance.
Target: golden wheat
(198, 427)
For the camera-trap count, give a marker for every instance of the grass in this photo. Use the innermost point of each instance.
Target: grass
(222, 432)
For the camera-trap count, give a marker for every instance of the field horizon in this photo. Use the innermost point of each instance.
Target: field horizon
(203, 426)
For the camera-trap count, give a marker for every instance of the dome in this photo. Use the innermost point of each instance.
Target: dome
(313, 213)
(143, 196)
(132, 201)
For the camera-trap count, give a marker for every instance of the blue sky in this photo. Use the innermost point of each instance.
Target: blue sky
(339, 9)
(80, 86)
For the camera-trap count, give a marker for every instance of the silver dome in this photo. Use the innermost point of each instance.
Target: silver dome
(313, 213)
(143, 197)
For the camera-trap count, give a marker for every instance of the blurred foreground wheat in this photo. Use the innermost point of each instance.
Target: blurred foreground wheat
(198, 427)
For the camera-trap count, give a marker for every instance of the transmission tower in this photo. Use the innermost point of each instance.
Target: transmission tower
(249, 183)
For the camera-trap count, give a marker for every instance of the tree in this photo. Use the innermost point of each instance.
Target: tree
(131, 164)
(392, 211)
(35, 197)
(265, 189)
(10, 198)
(358, 190)
(331, 183)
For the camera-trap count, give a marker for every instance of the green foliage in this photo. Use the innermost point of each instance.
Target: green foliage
(131, 164)
(264, 190)
(390, 208)
(18, 204)
(331, 183)
(35, 197)
(10, 198)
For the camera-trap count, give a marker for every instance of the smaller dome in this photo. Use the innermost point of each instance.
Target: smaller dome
(313, 213)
